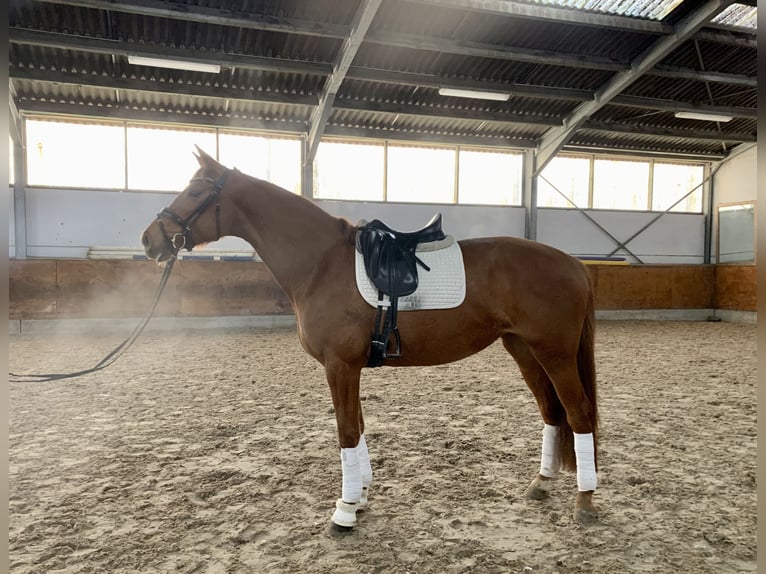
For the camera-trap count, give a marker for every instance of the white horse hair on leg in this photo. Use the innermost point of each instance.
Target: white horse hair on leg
(550, 460)
(586, 462)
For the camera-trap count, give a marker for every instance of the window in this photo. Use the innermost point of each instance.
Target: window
(350, 170)
(161, 158)
(487, 177)
(620, 184)
(421, 174)
(568, 175)
(75, 154)
(277, 160)
(672, 181)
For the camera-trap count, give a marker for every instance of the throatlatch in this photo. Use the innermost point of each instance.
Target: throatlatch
(392, 266)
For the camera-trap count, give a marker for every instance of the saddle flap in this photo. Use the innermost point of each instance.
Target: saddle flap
(391, 267)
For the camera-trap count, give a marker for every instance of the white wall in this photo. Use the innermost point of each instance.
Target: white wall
(67, 223)
(460, 221)
(737, 179)
(677, 238)
(735, 182)
(61, 223)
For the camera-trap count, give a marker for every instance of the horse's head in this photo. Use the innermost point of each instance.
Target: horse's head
(194, 216)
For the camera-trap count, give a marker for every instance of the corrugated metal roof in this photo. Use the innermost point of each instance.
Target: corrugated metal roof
(651, 9)
(739, 15)
(276, 59)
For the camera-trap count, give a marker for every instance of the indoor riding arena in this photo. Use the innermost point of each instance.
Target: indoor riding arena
(557, 376)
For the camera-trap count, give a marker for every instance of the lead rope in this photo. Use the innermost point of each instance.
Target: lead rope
(113, 355)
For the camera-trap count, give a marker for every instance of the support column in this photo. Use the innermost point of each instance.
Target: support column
(708, 210)
(19, 192)
(529, 196)
(307, 171)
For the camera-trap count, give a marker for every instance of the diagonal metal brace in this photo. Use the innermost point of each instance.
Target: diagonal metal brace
(593, 221)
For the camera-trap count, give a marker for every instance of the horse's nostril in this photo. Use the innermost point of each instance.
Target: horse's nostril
(144, 240)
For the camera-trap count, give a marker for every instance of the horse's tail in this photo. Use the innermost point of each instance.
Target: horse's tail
(586, 368)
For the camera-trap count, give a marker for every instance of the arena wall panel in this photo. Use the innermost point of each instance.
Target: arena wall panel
(74, 288)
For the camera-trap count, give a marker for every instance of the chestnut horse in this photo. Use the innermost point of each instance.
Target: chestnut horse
(535, 298)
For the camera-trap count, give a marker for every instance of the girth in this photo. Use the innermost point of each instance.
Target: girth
(392, 266)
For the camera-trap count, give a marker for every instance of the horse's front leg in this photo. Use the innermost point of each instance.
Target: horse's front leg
(355, 462)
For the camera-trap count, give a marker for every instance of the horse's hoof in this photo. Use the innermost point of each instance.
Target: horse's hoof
(584, 512)
(534, 492)
(336, 530)
(345, 514)
(585, 516)
(540, 489)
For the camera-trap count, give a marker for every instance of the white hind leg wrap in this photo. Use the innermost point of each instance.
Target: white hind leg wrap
(586, 462)
(550, 461)
(365, 468)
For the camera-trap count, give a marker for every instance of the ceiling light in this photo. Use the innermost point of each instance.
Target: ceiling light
(704, 116)
(498, 96)
(175, 64)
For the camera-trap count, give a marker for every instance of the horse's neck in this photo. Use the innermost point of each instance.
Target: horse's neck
(290, 234)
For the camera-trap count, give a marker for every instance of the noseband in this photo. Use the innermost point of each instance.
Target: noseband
(183, 238)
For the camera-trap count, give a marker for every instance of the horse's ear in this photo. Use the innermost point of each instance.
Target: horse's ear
(203, 158)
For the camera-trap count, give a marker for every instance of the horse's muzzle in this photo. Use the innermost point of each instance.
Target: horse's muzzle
(154, 249)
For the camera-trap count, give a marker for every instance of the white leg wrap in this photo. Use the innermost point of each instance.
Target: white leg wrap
(365, 469)
(550, 461)
(364, 462)
(586, 462)
(352, 475)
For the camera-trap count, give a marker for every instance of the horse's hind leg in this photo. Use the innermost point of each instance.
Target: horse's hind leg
(567, 377)
(552, 412)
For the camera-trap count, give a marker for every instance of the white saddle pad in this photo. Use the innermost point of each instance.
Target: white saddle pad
(441, 288)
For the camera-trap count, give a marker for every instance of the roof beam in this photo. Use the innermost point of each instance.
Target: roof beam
(554, 14)
(175, 88)
(727, 37)
(698, 76)
(674, 106)
(244, 19)
(436, 82)
(206, 15)
(426, 136)
(556, 138)
(359, 73)
(108, 82)
(613, 127)
(642, 153)
(160, 115)
(444, 112)
(499, 52)
(545, 57)
(532, 91)
(361, 23)
(120, 48)
(571, 16)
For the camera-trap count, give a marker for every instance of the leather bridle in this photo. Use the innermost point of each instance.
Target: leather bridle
(183, 239)
(175, 246)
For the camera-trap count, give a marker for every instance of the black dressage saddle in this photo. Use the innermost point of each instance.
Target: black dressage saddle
(392, 266)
